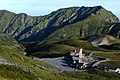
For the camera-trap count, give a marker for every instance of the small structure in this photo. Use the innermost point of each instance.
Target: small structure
(109, 69)
(79, 59)
(117, 70)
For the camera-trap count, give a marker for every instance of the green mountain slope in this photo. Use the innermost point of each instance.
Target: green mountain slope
(93, 25)
(25, 28)
(15, 65)
(62, 48)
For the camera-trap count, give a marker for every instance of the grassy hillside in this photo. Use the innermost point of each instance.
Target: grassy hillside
(62, 48)
(18, 66)
(115, 46)
(10, 72)
(6, 39)
(50, 50)
(92, 74)
(82, 29)
(114, 58)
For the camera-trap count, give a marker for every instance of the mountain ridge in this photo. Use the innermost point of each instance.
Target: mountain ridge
(25, 28)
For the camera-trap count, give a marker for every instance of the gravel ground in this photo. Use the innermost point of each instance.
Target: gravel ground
(60, 62)
(63, 62)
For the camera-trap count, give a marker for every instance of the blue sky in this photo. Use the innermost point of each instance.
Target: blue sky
(43, 7)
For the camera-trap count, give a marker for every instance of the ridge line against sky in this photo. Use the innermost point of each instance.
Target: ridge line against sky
(43, 7)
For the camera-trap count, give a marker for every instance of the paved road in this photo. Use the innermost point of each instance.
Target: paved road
(97, 63)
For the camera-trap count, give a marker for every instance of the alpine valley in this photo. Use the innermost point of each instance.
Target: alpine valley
(27, 42)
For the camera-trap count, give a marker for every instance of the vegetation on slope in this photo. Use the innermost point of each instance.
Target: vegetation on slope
(62, 48)
(26, 68)
(23, 67)
(92, 74)
(114, 58)
(26, 28)
(18, 66)
(112, 63)
(11, 72)
(115, 46)
(50, 50)
(110, 55)
(82, 29)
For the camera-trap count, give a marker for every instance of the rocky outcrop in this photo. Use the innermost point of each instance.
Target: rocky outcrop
(114, 30)
(103, 40)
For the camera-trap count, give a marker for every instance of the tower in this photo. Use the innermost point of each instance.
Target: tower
(80, 53)
(80, 56)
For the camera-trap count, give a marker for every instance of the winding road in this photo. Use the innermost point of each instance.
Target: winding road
(97, 63)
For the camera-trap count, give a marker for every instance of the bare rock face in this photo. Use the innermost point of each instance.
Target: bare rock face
(104, 40)
(114, 30)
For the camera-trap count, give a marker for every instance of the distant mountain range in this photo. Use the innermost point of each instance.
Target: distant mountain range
(65, 23)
